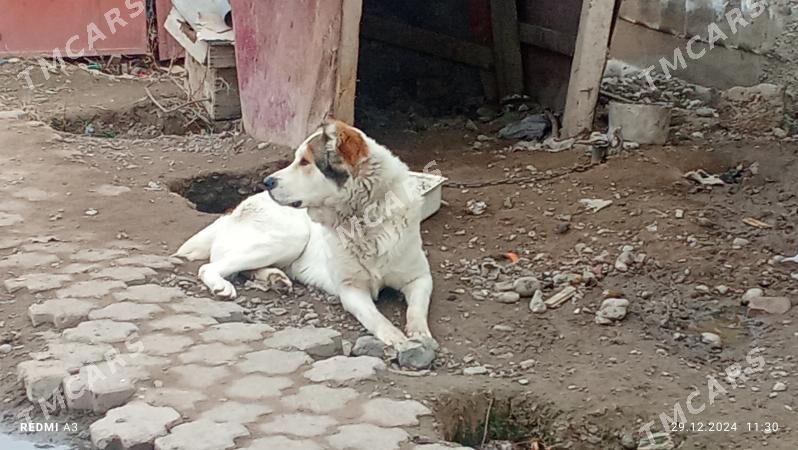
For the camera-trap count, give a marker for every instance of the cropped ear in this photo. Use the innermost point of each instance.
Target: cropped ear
(344, 145)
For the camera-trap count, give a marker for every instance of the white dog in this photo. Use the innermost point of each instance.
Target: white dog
(343, 217)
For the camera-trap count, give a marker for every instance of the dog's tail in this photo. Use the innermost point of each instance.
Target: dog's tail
(199, 245)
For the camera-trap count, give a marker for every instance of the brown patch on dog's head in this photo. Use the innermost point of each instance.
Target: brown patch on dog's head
(347, 142)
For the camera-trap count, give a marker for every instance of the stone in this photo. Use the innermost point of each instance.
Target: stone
(393, 413)
(15, 114)
(367, 437)
(77, 268)
(319, 399)
(8, 219)
(739, 243)
(165, 344)
(182, 400)
(282, 443)
(109, 190)
(150, 293)
(6, 349)
(199, 377)
(221, 311)
(258, 387)
(417, 355)
(298, 424)
(36, 282)
(770, 305)
(752, 294)
(439, 447)
(100, 331)
(342, 368)
(202, 435)
(126, 311)
(526, 286)
(152, 261)
(235, 332)
(612, 310)
(62, 313)
(97, 388)
(316, 342)
(236, 412)
(712, 339)
(181, 323)
(28, 260)
(507, 297)
(96, 254)
(477, 370)
(537, 304)
(213, 354)
(42, 379)
(764, 102)
(78, 354)
(126, 274)
(82, 289)
(368, 346)
(274, 362)
(779, 387)
(133, 426)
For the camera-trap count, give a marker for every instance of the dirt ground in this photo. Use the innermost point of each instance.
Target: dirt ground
(556, 376)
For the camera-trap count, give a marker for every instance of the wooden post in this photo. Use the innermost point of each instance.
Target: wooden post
(507, 47)
(346, 78)
(587, 68)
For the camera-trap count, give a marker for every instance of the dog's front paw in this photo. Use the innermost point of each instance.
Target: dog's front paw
(216, 284)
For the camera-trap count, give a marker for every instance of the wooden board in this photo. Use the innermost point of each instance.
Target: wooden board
(218, 86)
(590, 57)
(168, 48)
(507, 47)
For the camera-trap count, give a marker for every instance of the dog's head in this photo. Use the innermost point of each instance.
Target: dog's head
(323, 165)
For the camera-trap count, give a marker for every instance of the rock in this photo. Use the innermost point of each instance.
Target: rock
(771, 305)
(319, 399)
(368, 346)
(100, 331)
(273, 362)
(393, 413)
(739, 243)
(417, 355)
(16, 114)
(36, 282)
(6, 349)
(221, 311)
(367, 437)
(217, 353)
(612, 310)
(316, 342)
(507, 297)
(135, 425)
(526, 286)
(149, 293)
(762, 107)
(98, 389)
(779, 387)
(628, 441)
(476, 207)
(712, 339)
(62, 313)
(705, 112)
(537, 305)
(752, 294)
(657, 441)
(42, 379)
(625, 259)
(235, 332)
(123, 311)
(477, 370)
(202, 435)
(342, 368)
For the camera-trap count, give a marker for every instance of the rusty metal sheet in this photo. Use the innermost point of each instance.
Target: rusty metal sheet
(74, 27)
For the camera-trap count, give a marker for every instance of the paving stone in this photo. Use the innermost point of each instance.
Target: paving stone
(77, 268)
(393, 413)
(98, 389)
(235, 332)
(164, 344)
(133, 426)
(109, 190)
(179, 399)
(54, 247)
(202, 435)
(28, 260)
(367, 437)
(200, 377)
(273, 362)
(258, 387)
(127, 274)
(143, 364)
(6, 243)
(319, 399)
(152, 261)
(221, 311)
(32, 194)
(149, 293)
(126, 311)
(316, 342)
(8, 219)
(213, 354)
(298, 424)
(368, 346)
(42, 379)
(440, 447)
(100, 331)
(97, 254)
(36, 282)
(78, 354)
(82, 289)
(342, 368)
(62, 313)
(236, 412)
(181, 323)
(282, 443)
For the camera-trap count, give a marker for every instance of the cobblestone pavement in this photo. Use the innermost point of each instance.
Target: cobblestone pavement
(168, 370)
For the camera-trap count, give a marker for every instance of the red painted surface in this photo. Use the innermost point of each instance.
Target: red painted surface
(168, 47)
(286, 67)
(32, 27)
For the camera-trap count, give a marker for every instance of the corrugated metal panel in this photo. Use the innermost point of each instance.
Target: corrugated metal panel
(74, 27)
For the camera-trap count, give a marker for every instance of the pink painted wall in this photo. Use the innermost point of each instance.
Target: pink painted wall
(286, 68)
(168, 47)
(33, 27)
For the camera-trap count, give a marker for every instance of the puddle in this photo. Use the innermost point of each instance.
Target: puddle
(8, 442)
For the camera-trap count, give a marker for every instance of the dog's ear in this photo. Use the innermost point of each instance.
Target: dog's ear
(344, 145)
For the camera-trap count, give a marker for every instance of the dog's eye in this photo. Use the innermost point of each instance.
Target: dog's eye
(304, 162)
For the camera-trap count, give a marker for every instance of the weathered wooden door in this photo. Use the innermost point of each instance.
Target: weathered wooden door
(297, 64)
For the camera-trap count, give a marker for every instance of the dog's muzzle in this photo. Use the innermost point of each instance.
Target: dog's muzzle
(270, 183)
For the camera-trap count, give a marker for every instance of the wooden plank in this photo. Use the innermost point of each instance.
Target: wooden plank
(346, 86)
(587, 68)
(507, 47)
(219, 86)
(546, 39)
(406, 36)
(221, 56)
